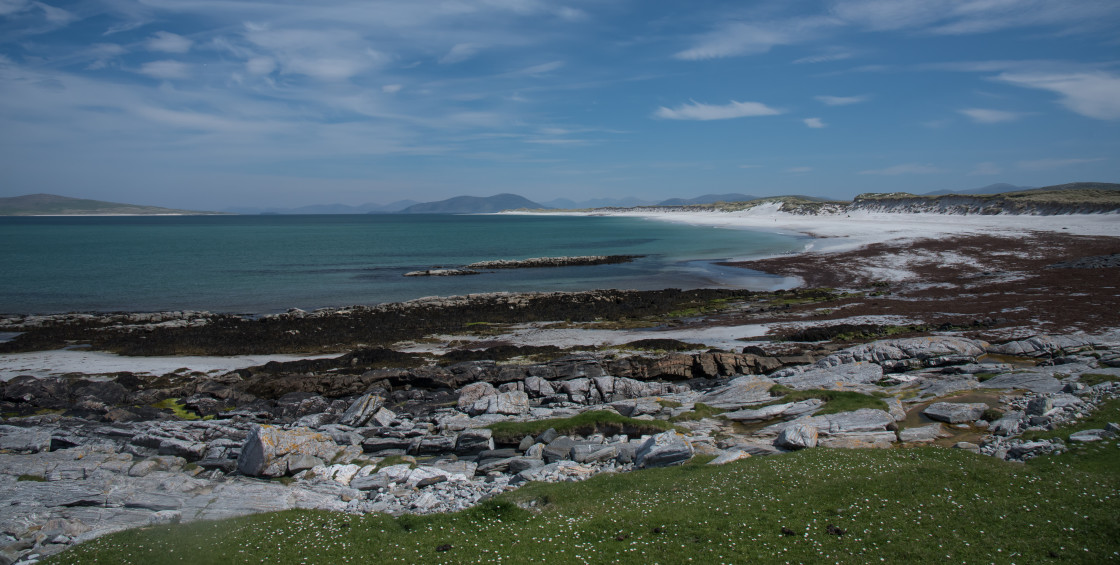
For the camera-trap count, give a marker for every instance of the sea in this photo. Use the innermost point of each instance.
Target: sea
(265, 264)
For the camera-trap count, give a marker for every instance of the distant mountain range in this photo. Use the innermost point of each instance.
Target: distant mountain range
(368, 208)
(708, 199)
(54, 205)
(566, 204)
(474, 205)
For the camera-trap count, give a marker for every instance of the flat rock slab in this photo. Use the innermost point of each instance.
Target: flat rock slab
(872, 440)
(740, 392)
(862, 420)
(787, 410)
(1042, 345)
(921, 348)
(922, 434)
(1032, 381)
(664, 449)
(955, 412)
(839, 377)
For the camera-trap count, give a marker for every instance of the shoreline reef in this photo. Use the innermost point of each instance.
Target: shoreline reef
(991, 335)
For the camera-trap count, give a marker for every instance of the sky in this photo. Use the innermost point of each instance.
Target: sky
(208, 104)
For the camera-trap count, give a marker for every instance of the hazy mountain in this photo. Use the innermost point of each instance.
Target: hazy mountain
(368, 208)
(627, 202)
(473, 205)
(54, 205)
(990, 189)
(708, 199)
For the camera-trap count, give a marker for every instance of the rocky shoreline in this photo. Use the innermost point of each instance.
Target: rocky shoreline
(100, 454)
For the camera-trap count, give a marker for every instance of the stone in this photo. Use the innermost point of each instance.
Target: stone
(862, 420)
(301, 462)
(797, 436)
(740, 392)
(835, 377)
(1031, 380)
(537, 387)
(1008, 425)
(510, 403)
(25, 440)
(859, 440)
(361, 411)
(369, 482)
(474, 441)
(1042, 345)
(923, 434)
(929, 351)
(472, 393)
(165, 517)
(558, 449)
(664, 449)
(1086, 436)
(787, 410)
(526, 443)
(955, 412)
(383, 417)
(547, 436)
(1039, 406)
(266, 445)
(968, 446)
(729, 456)
(519, 464)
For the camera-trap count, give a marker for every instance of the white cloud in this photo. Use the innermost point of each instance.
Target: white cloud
(814, 123)
(56, 16)
(986, 168)
(1044, 164)
(260, 65)
(324, 54)
(824, 58)
(460, 52)
(103, 53)
(987, 116)
(392, 88)
(842, 100)
(698, 111)
(1091, 94)
(748, 38)
(169, 42)
(13, 6)
(904, 169)
(957, 17)
(165, 69)
(799, 169)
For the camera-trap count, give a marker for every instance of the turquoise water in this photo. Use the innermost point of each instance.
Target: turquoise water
(260, 264)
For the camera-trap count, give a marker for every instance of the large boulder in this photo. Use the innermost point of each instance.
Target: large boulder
(664, 449)
(1031, 380)
(923, 351)
(361, 411)
(787, 410)
(955, 412)
(471, 393)
(797, 436)
(862, 420)
(922, 434)
(1042, 346)
(267, 449)
(474, 441)
(510, 403)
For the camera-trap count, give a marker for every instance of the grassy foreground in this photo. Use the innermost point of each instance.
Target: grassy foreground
(919, 505)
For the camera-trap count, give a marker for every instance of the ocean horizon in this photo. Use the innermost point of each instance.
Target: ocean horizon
(271, 263)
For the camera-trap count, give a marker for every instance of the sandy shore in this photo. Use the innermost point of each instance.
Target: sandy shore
(849, 231)
(61, 362)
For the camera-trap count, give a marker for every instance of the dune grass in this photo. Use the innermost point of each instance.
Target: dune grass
(835, 401)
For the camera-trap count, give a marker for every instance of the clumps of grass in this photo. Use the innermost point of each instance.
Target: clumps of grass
(32, 478)
(669, 403)
(283, 480)
(1107, 412)
(177, 408)
(991, 414)
(836, 401)
(984, 376)
(591, 422)
(699, 412)
(395, 460)
(1091, 379)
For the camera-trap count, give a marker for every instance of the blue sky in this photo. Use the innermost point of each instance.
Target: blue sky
(210, 104)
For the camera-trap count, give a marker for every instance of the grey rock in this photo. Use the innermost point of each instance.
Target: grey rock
(474, 441)
(797, 436)
(547, 436)
(834, 377)
(1039, 406)
(740, 392)
(266, 445)
(921, 434)
(510, 403)
(472, 393)
(664, 449)
(558, 449)
(369, 482)
(301, 462)
(927, 351)
(968, 446)
(519, 464)
(955, 412)
(1033, 381)
(862, 420)
(728, 456)
(858, 440)
(25, 440)
(1042, 345)
(787, 410)
(1008, 425)
(1086, 436)
(526, 443)
(361, 411)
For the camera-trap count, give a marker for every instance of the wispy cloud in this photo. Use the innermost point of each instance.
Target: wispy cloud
(904, 169)
(750, 38)
(988, 116)
(796, 170)
(814, 123)
(986, 168)
(1091, 94)
(827, 57)
(166, 69)
(1045, 164)
(460, 52)
(698, 111)
(842, 100)
(169, 43)
(958, 17)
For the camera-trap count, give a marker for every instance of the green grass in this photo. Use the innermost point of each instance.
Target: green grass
(835, 401)
(669, 403)
(32, 478)
(1091, 379)
(591, 422)
(177, 408)
(914, 505)
(699, 412)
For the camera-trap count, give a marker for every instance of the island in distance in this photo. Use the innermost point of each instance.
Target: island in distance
(54, 205)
